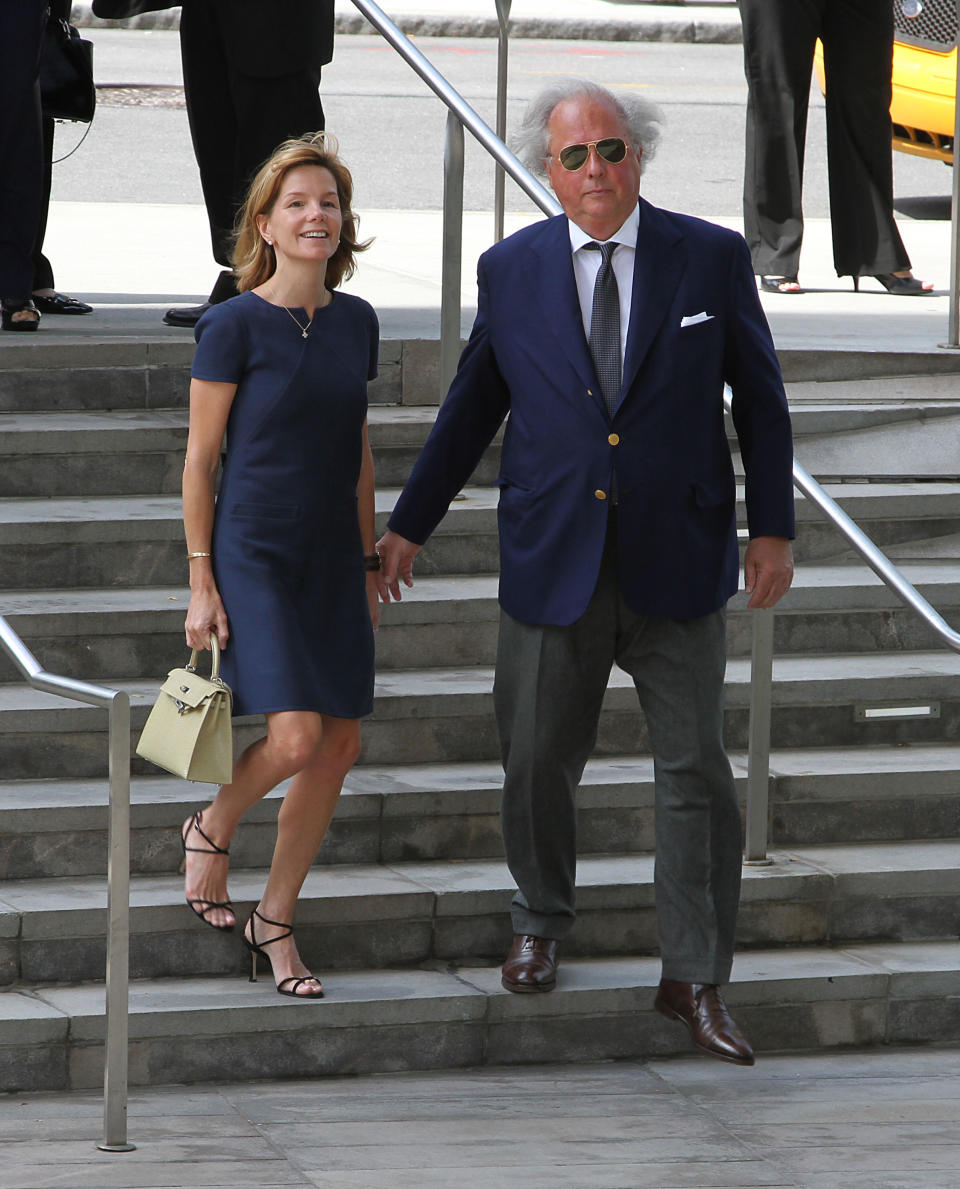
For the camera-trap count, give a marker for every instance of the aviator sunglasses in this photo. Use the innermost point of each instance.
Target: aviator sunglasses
(574, 156)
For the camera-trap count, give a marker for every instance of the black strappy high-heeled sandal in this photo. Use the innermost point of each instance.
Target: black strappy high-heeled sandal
(899, 286)
(200, 906)
(258, 947)
(9, 307)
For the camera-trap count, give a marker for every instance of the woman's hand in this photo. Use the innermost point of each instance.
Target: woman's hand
(374, 584)
(206, 614)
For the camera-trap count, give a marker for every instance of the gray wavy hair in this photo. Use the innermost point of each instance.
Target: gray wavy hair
(531, 141)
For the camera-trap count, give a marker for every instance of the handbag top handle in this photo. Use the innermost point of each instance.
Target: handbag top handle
(191, 664)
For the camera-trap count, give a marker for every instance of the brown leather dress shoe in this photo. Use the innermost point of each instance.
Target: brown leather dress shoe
(531, 964)
(700, 1006)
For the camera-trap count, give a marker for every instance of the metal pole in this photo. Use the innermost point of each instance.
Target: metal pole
(953, 321)
(450, 277)
(503, 41)
(118, 933)
(758, 761)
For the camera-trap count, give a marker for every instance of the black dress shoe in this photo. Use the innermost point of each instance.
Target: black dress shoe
(531, 964)
(187, 316)
(59, 303)
(700, 1006)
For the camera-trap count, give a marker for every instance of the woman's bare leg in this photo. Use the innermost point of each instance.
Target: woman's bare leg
(301, 827)
(295, 742)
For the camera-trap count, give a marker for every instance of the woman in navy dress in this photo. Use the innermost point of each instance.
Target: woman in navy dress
(283, 566)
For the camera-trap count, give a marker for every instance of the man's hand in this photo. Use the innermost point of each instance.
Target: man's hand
(397, 554)
(767, 571)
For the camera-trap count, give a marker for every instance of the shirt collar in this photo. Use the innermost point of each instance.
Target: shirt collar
(627, 234)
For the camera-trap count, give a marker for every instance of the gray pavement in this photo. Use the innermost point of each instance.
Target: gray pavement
(607, 20)
(883, 1119)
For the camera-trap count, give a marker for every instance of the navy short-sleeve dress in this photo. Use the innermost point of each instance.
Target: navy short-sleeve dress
(287, 551)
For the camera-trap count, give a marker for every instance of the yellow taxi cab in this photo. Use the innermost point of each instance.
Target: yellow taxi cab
(924, 77)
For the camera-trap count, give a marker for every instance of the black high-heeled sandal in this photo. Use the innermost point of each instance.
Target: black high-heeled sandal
(200, 906)
(898, 286)
(9, 306)
(780, 285)
(257, 947)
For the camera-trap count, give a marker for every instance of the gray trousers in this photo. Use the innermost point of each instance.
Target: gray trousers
(550, 683)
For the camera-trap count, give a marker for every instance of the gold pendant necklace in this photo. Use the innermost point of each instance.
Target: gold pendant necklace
(303, 329)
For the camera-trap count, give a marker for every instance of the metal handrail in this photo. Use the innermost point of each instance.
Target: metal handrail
(117, 704)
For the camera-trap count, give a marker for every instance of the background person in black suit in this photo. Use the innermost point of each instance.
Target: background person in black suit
(779, 37)
(251, 75)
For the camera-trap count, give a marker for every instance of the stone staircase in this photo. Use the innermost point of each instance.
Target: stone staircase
(849, 937)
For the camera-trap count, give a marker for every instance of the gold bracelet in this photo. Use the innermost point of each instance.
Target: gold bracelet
(191, 556)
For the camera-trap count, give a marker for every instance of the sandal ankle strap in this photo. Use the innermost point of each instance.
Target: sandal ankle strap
(195, 825)
(267, 921)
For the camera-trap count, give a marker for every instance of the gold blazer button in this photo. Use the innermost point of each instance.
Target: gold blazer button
(614, 439)
(601, 495)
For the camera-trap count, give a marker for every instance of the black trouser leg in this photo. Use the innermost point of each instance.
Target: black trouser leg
(21, 156)
(778, 42)
(42, 268)
(236, 120)
(858, 62)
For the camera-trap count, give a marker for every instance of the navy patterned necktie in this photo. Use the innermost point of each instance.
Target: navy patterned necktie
(605, 326)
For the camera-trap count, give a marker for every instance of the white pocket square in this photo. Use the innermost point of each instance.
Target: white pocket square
(693, 319)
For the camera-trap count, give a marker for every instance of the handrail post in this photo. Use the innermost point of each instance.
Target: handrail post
(118, 932)
(953, 320)
(503, 41)
(451, 265)
(758, 759)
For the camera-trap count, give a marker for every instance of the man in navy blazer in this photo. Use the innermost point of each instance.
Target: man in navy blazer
(617, 525)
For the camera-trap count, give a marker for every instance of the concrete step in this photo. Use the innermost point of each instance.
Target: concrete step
(131, 452)
(446, 715)
(448, 621)
(107, 373)
(373, 916)
(131, 541)
(212, 1029)
(390, 814)
(921, 446)
(897, 394)
(91, 453)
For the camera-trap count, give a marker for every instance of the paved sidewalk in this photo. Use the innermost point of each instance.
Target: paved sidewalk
(878, 1120)
(600, 20)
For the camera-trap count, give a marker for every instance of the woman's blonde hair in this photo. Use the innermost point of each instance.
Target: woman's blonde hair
(254, 261)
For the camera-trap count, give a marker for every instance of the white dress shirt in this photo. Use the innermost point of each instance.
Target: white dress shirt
(586, 265)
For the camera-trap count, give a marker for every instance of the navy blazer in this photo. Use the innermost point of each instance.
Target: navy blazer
(695, 323)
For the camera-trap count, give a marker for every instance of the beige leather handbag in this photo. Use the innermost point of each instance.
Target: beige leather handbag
(189, 730)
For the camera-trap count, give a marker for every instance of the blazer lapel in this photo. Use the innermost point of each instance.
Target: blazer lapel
(557, 296)
(659, 265)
